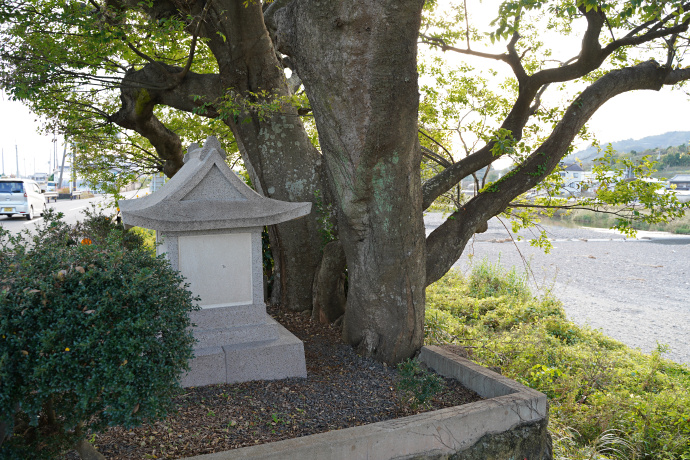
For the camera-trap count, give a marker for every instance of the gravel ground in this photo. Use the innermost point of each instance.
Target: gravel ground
(341, 390)
(634, 290)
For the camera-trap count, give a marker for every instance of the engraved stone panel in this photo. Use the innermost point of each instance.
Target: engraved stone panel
(217, 267)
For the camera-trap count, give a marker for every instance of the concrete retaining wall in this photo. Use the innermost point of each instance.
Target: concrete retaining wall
(510, 423)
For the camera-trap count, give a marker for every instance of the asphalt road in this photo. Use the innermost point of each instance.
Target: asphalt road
(634, 290)
(72, 209)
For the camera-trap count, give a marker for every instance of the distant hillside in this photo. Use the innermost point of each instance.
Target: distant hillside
(671, 139)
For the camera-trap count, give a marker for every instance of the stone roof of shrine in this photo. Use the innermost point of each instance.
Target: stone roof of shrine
(206, 194)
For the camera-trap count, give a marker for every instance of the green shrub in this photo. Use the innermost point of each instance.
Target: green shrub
(606, 400)
(416, 384)
(94, 332)
(490, 280)
(148, 237)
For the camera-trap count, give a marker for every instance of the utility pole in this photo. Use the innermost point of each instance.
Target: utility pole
(3, 162)
(16, 151)
(74, 171)
(62, 168)
(55, 160)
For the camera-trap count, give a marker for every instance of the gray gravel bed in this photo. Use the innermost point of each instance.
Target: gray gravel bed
(342, 389)
(634, 290)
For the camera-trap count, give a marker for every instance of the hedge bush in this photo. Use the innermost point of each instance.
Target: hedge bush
(94, 332)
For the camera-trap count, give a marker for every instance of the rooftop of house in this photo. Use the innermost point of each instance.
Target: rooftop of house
(680, 178)
(573, 167)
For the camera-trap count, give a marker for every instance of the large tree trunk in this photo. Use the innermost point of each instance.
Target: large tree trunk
(278, 154)
(328, 295)
(282, 162)
(358, 64)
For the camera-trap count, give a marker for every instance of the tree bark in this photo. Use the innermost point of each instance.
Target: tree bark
(277, 152)
(357, 61)
(4, 432)
(329, 285)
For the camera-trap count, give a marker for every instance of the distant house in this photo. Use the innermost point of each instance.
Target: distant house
(572, 171)
(573, 175)
(681, 181)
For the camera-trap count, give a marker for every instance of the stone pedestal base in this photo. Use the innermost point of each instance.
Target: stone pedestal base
(276, 358)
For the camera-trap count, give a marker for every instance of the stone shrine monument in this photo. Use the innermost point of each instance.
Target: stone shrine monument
(208, 223)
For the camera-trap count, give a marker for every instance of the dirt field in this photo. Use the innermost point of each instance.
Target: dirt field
(634, 290)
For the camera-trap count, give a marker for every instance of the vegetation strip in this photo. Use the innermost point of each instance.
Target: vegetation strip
(605, 398)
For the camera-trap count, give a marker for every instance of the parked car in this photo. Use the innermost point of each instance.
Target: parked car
(21, 196)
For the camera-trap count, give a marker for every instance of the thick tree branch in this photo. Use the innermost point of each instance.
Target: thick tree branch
(140, 92)
(676, 76)
(531, 88)
(446, 243)
(593, 55)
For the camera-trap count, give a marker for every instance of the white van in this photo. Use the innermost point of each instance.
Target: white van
(21, 196)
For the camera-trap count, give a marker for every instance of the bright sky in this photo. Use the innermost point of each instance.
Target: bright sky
(642, 113)
(633, 115)
(19, 137)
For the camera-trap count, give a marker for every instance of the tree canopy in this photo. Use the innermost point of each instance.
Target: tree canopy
(322, 99)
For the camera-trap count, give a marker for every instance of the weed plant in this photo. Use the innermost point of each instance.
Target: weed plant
(606, 400)
(416, 384)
